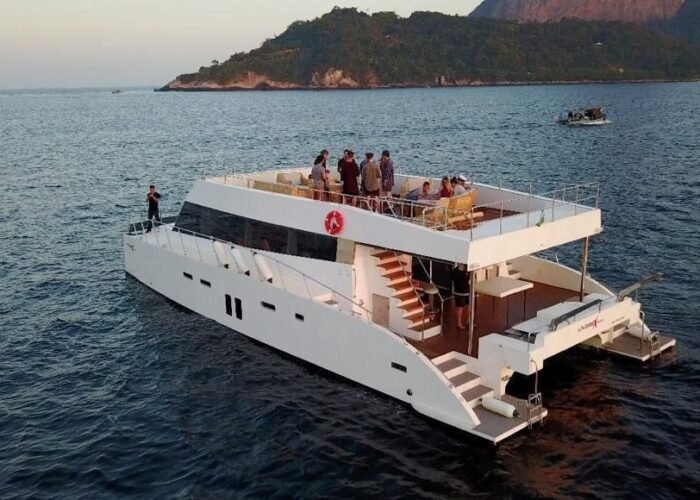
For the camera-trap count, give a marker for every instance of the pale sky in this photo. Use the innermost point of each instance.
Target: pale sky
(114, 43)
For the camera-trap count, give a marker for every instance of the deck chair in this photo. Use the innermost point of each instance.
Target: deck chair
(452, 213)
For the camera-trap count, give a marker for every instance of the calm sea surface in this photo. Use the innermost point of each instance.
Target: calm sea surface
(108, 390)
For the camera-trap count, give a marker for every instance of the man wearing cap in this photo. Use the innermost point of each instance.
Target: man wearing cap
(459, 187)
(387, 167)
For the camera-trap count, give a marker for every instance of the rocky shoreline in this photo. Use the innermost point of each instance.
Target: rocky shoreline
(282, 86)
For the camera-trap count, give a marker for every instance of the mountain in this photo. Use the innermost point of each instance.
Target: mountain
(349, 49)
(685, 24)
(541, 11)
(679, 18)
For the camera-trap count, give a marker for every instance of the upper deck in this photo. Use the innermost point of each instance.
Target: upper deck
(496, 225)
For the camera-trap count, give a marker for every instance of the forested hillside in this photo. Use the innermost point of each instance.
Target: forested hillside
(349, 49)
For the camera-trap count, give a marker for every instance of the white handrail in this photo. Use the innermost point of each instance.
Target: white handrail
(278, 263)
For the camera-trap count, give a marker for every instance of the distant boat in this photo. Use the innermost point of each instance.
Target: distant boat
(584, 117)
(116, 91)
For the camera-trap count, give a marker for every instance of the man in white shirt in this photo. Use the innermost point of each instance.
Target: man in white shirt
(460, 187)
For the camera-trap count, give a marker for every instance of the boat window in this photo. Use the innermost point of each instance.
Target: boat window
(239, 309)
(256, 234)
(268, 237)
(205, 283)
(300, 317)
(187, 275)
(398, 367)
(269, 306)
(229, 309)
(315, 246)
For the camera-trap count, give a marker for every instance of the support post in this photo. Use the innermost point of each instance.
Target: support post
(472, 304)
(584, 269)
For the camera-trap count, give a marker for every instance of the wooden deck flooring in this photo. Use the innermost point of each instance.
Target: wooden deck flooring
(490, 318)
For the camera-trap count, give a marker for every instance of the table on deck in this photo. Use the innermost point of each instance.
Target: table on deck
(503, 287)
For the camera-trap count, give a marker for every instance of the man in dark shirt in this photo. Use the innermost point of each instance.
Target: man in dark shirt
(342, 161)
(349, 172)
(153, 197)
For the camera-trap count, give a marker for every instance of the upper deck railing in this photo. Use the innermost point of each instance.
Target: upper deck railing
(504, 210)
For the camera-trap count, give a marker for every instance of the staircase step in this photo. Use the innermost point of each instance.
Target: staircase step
(415, 314)
(428, 325)
(417, 320)
(452, 367)
(383, 255)
(465, 381)
(399, 284)
(474, 395)
(405, 294)
(409, 304)
(395, 275)
(392, 265)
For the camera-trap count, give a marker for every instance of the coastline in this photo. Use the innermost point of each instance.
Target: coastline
(291, 87)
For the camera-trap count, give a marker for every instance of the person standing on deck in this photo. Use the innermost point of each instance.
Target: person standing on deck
(153, 197)
(460, 287)
(342, 161)
(319, 178)
(371, 179)
(387, 166)
(326, 185)
(349, 172)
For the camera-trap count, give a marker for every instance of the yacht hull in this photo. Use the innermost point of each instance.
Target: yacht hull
(315, 332)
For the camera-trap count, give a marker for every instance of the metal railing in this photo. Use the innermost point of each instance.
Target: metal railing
(171, 230)
(554, 324)
(575, 196)
(442, 299)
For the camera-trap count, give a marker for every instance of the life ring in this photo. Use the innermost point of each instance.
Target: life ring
(334, 222)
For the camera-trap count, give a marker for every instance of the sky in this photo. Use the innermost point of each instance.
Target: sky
(121, 43)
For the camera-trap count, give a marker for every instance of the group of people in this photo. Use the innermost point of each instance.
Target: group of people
(369, 177)
(448, 188)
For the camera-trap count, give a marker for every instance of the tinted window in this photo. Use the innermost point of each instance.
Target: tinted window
(269, 237)
(255, 234)
(239, 309)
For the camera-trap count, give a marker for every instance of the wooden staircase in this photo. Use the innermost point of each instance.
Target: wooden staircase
(416, 320)
(467, 384)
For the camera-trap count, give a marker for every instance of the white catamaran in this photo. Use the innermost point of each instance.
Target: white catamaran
(363, 290)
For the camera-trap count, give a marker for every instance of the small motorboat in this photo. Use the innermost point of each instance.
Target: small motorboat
(584, 117)
(116, 91)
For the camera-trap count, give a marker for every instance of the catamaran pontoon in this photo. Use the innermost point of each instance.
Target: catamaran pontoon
(361, 290)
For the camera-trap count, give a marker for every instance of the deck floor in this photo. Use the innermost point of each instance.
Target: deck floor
(631, 347)
(490, 317)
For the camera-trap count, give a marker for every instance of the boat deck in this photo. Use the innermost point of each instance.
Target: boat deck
(490, 317)
(631, 347)
(496, 428)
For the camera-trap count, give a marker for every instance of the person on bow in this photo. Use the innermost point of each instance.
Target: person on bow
(153, 198)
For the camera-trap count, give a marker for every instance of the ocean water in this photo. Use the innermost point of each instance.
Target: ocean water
(109, 390)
